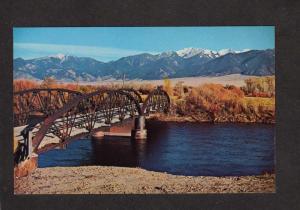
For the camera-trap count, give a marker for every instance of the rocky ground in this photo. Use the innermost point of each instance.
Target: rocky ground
(111, 180)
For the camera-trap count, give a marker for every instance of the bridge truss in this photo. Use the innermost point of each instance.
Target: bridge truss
(69, 114)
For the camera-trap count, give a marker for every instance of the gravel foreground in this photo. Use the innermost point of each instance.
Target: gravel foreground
(120, 180)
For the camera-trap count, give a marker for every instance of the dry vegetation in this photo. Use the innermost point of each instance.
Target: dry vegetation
(253, 102)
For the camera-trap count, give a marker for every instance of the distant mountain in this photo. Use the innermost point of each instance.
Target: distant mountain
(62, 67)
(254, 62)
(190, 52)
(182, 63)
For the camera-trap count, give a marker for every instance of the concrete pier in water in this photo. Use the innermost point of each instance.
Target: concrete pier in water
(139, 131)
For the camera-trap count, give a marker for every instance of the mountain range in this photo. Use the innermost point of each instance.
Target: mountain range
(187, 62)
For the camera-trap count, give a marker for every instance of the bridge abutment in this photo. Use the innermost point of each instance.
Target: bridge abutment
(139, 131)
(27, 166)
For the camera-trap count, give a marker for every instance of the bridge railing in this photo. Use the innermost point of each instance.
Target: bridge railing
(86, 112)
(42, 102)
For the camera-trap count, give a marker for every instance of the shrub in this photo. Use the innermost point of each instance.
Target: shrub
(168, 86)
(260, 87)
(215, 99)
(19, 85)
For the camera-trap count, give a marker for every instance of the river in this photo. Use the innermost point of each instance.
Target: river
(194, 149)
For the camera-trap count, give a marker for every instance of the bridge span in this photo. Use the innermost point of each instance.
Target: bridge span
(58, 116)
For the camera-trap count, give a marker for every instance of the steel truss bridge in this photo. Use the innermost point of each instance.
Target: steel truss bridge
(68, 115)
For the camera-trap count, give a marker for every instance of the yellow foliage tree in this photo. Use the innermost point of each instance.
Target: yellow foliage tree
(260, 86)
(168, 86)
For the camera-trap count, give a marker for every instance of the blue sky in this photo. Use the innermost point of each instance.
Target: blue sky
(111, 43)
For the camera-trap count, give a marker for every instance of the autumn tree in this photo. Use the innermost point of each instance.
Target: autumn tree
(179, 89)
(49, 82)
(215, 99)
(262, 86)
(168, 86)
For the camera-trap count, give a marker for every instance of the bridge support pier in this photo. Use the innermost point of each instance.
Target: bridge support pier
(98, 135)
(27, 166)
(139, 131)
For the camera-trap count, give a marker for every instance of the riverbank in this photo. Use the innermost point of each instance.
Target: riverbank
(120, 180)
(203, 118)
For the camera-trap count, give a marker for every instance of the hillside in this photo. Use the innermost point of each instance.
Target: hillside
(188, 62)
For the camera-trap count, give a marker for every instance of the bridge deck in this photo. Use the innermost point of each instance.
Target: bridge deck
(52, 139)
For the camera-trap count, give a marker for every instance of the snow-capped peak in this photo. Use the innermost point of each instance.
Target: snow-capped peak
(59, 56)
(241, 51)
(226, 51)
(187, 52)
(190, 52)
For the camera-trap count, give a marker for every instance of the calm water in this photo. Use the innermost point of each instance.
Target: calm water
(178, 148)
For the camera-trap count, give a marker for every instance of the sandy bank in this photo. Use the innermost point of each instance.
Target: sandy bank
(103, 180)
(231, 79)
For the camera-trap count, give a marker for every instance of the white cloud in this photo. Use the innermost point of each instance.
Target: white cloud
(78, 50)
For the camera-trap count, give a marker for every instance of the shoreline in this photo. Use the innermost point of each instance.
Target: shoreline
(125, 180)
(199, 120)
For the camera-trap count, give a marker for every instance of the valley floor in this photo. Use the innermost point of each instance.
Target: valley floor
(232, 79)
(120, 180)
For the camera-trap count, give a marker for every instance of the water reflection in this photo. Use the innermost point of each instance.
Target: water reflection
(178, 148)
(114, 151)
